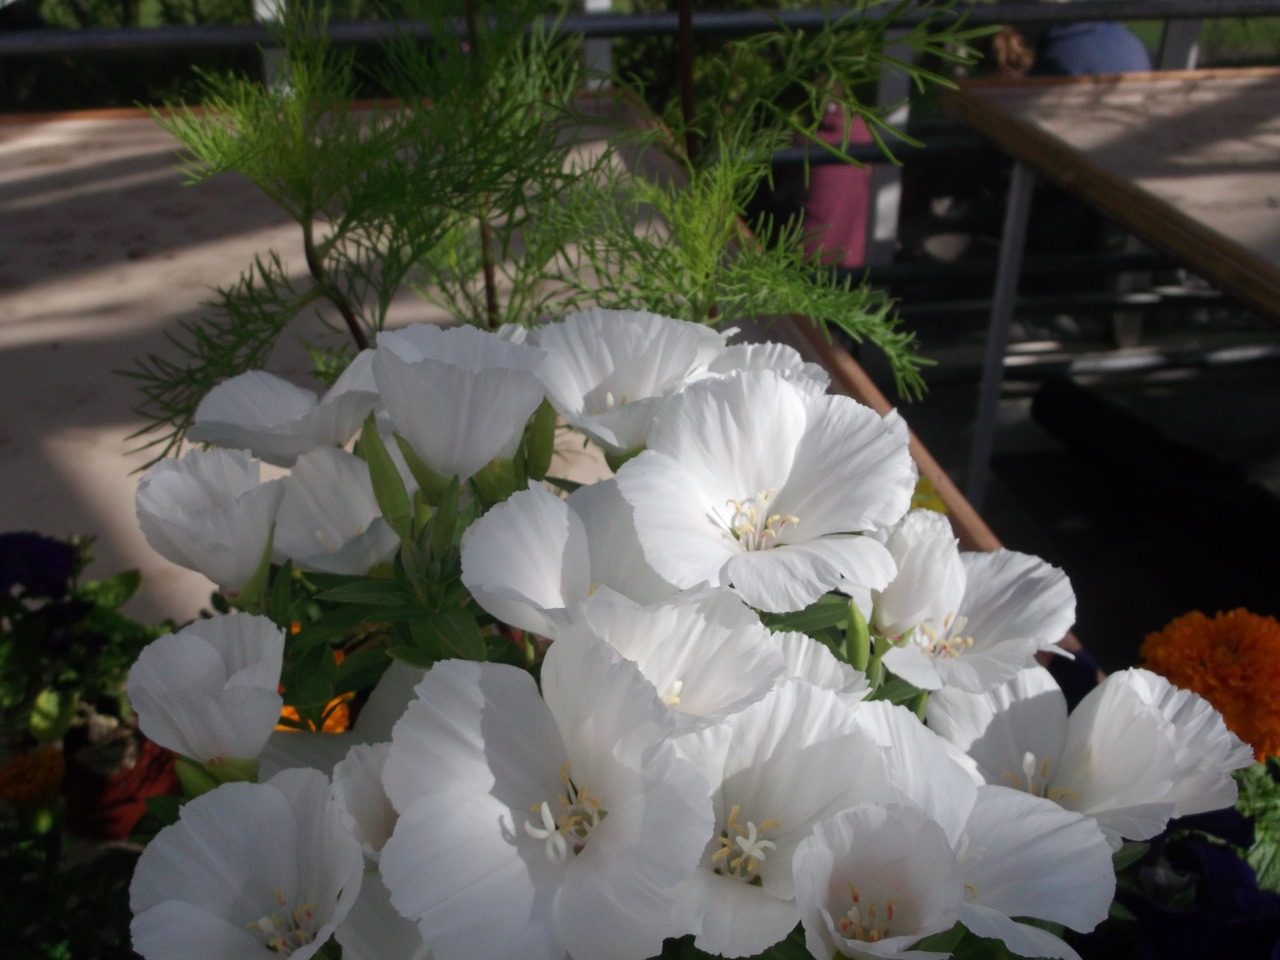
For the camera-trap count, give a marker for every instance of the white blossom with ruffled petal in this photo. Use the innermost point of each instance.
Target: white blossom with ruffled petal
(564, 823)
(210, 512)
(755, 483)
(969, 620)
(1135, 752)
(459, 396)
(873, 881)
(210, 691)
(329, 518)
(278, 421)
(530, 558)
(777, 769)
(705, 651)
(249, 870)
(608, 371)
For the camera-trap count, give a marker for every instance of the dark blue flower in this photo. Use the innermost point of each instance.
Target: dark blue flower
(38, 566)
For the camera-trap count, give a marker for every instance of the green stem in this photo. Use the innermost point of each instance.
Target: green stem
(315, 264)
(918, 703)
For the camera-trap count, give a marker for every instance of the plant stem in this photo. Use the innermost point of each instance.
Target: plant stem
(486, 230)
(316, 266)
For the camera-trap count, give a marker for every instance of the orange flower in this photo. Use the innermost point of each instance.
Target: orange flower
(1233, 661)
(32, 779)
(337, 718)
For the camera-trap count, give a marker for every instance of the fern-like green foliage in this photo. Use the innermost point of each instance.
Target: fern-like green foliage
(466, 187)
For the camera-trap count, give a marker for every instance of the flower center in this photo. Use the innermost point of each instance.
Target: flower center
(753, 526)
(610, 403)
(672, 695)
(867, 919)
(1035, 780)
(578, 814)
(742, 849)
(283, 931)
(950, 644)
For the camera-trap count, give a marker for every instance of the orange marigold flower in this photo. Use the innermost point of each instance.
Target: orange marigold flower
(32, 779)
(1233, 661)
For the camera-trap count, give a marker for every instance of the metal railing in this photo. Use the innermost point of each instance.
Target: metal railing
(619, 25)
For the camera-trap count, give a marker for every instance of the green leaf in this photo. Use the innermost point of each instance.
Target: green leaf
(388, 486)
(361, 669)
(52, 715)
(896, 690)
(280, 599)
(445, 634)
(112, 592)
(1131, 852)
(371, 592)
(831, 610)
(540, 440)
(430, 484)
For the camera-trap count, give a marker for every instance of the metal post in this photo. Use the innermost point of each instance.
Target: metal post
(1008, 270)
(886, 178)
(1179, 45)
(599, 52)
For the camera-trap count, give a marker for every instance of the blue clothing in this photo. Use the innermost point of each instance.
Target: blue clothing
(1090, 47)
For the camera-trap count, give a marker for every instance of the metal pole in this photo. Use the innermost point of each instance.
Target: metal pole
(1008, 270)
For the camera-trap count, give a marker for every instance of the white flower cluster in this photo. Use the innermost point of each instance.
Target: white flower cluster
(677, 769)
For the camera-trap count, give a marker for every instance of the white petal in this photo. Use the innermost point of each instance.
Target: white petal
(329, 518)
(527, 559)
(930, 578)
(617, 559)
(1027, 857)
(706, 653)
(808, 660)
(1206, 750)
(361, 801)
(791, 576)
(852, 471)
(769, 356)
(259, 412)
(1022, 938)
(374, 929)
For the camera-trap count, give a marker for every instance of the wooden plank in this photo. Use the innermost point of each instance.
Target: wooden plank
(1114, 165)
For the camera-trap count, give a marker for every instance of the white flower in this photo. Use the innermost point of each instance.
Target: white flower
(1135, 752)
(776, 769)
(249, 870)
(770, 356)
(277, 421)
(978, 626)
(329, 518)
(459, 396)
(930, 580)
(873, 880)
(608, 371)
(756, 483)
(534, 555)
(209, 512)
(531, 828)
(706, 652)
(209, 691)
